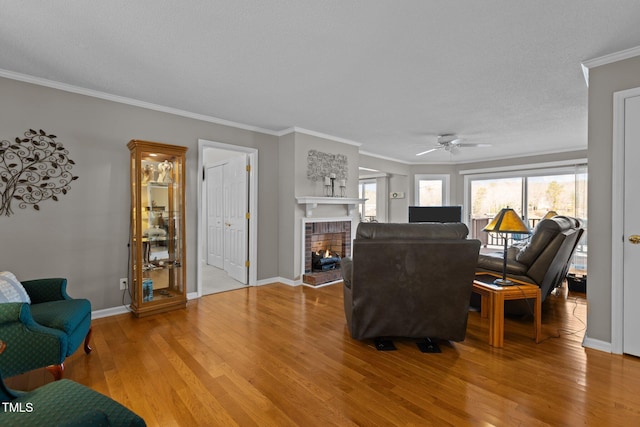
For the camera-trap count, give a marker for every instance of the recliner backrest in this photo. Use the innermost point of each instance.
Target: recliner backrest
(410, 280)
(430, 230)
(559, 266)
(542, 236)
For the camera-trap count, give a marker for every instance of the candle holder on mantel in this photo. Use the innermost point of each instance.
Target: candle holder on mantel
(343, 187)
(330, 185)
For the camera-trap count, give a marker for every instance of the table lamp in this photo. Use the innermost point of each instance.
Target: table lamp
(550, 214)
(507, 221)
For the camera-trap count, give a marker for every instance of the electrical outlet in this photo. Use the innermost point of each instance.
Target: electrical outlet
(123, 284)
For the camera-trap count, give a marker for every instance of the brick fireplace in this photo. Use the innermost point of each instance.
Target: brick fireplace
(320, 236)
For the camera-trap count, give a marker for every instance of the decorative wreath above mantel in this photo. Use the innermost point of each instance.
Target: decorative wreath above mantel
(33, 169)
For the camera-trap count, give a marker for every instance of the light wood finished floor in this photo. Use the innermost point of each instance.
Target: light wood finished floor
(281, 356)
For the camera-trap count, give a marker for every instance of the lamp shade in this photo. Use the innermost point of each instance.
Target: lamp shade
(507, 221)
(550, 214)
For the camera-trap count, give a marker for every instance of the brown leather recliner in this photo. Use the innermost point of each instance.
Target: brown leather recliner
(409, 280)
(543, 260)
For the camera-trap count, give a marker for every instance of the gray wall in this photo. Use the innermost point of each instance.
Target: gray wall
(603, 82)
(286, 216)
(84, 235)
(397, 181)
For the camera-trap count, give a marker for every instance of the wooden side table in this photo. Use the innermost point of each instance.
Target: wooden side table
(492, 306)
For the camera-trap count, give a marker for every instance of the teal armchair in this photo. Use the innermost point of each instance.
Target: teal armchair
(62, 403)
(45, 332)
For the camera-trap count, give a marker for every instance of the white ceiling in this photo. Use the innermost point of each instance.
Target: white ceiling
(388, 74)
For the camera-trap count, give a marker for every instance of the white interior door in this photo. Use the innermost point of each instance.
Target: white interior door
(235, 202)
(631, 289)
(215, 219)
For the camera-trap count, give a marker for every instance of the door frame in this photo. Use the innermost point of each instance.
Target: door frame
(252, 155)
(617, 219)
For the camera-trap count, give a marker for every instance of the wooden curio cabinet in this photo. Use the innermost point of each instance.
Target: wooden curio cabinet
(157, 275)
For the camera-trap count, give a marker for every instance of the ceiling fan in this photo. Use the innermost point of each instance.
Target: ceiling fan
(449, 142)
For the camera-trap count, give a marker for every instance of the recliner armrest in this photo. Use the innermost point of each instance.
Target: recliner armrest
(346, 265)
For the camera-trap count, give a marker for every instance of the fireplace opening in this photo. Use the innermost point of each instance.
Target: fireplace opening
(326, 243)
(324, 260)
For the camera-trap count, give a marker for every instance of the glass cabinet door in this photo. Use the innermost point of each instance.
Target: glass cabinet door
(157, 227)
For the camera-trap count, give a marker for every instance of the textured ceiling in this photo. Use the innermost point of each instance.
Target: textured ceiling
(390, 75)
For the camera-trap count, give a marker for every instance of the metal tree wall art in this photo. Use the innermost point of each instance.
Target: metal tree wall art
(33, 169)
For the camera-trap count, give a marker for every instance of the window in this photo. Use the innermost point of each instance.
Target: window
(432, 190)
(488, 196)
(532, 194)
(367, 190)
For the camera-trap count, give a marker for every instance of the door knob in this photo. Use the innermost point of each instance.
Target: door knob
(634, 239)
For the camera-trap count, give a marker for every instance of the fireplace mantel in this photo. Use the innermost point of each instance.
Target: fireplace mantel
(311, 203)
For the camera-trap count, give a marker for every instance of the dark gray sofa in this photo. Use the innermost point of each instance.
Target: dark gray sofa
(542, 260)
(409, 280)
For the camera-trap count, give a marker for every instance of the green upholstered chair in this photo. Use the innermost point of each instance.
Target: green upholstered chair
(62, 403)
(45, 331)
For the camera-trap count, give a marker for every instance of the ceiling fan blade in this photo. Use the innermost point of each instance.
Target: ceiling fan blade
(473, 145)
(428, 151)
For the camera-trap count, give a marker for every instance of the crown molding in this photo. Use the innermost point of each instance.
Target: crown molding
(295, 129)
(608, 59)
(210, 119)
(529, 166)
(129, 101)
(378, 156)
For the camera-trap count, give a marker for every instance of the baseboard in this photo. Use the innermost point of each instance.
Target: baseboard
(282, 280)
(113, 311)
(596, 344)
(107, 312)
(323, 284)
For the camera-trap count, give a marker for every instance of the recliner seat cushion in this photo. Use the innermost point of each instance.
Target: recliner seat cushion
(494, 262)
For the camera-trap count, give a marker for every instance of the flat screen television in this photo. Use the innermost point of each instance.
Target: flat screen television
(435, 213)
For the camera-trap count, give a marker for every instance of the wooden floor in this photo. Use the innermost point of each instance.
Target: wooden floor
(281, 356)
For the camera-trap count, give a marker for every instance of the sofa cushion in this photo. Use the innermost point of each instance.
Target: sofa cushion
(421, 231)
(11, 290)
(64, 315)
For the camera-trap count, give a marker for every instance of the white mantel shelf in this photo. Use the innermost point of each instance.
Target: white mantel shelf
(311, 203)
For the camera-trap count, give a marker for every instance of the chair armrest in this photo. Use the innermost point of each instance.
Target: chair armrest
(10, 312)
(45, 290)
(29, 344)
